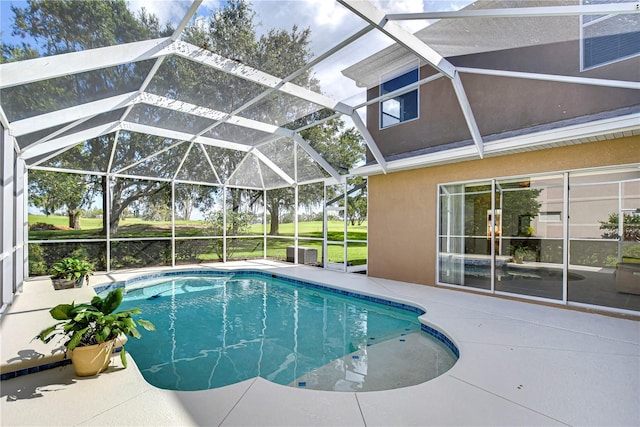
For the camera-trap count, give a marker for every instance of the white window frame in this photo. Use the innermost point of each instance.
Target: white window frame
(582, 40)
(413, 65)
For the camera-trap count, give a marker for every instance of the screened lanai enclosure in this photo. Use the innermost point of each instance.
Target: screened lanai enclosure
(157, 133)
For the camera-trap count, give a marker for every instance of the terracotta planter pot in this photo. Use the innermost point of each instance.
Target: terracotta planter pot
(92, 359)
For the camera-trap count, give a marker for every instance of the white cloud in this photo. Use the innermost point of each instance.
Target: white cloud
(168, 10)
(329, 21)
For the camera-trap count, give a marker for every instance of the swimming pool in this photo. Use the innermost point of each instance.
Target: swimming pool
(219, 328)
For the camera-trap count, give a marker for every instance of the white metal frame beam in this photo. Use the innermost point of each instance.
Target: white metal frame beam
(86, 111)
(185, 20)
(371, 143)
(68, 140)
(317, 157)
(237, 69)
(628, 123)
(150, 156)
(4, 121)
(209, 162)
(468, 114)
(520, 12)
(7, 223)
(182, 136)
(623, 84)
(235, 120)
(72, 114)
(400, 91)
(180, 106)
(368, 12)
(282, 174)
(371, 14)
(48, 67)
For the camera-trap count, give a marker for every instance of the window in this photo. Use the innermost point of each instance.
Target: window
(400, 108)
(551, 216)
(608, 38)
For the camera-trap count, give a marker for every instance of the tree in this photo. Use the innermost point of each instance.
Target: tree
(62, 26)
(519, 205)
(231, 32)
(52, 191)
(357, 202)
(630, 227)
(342, 149)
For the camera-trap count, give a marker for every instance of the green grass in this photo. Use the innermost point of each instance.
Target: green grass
(135, 227)
(247, 248)
(63, 221)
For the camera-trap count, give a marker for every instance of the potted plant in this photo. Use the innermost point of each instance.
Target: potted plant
(70, 272)
(90, 331)
(519, 254)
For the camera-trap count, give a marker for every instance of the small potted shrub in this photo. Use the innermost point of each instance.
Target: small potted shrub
(89, 331)
(519, 253)
(70, 272)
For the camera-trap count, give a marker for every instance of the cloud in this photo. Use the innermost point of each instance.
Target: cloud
(329, 21)
(330, 24)
(172, 10)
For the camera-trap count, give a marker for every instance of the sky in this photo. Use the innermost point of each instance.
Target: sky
(329, 22)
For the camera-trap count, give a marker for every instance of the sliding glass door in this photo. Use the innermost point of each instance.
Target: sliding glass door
(530, 244)
(571, 237)
(465, 237)
(604, 233)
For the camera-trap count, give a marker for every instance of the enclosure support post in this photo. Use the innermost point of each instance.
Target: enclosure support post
(7, 252)
(264, 224)
(565, 237)
(20, 222)
(346, 224)
(224, 223)
(173, 223)
(325, 257)
(494, 227)
(295, 224)
(107, 215)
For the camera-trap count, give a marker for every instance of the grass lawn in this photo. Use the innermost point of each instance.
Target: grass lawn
(203, 250)
(135, 227)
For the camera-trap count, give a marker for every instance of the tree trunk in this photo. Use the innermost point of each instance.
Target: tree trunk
(114, 221)
(105, 204)
(275, 219)
(74, 218)
(235, 207)
(188, 208)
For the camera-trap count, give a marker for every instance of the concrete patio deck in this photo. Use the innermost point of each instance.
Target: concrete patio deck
(520, 364)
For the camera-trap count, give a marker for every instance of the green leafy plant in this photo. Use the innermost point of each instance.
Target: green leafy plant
(71, 268)
(519, 253)
(94, 323)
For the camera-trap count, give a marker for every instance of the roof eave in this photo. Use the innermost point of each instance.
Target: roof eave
(610, 128)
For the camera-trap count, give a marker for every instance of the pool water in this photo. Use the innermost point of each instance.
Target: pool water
(220, 330)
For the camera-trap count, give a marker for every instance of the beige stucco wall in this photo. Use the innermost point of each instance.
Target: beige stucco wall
(403, 205)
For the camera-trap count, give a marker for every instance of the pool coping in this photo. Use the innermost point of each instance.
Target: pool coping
(497, 381)
(58, 359)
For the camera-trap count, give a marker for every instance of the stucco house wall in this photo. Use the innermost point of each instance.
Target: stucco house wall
(403, 205)
(505, 104)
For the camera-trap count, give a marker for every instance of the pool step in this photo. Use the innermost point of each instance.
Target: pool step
(399, 362)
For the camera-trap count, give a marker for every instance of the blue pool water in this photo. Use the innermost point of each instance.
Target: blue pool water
(217, 330)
